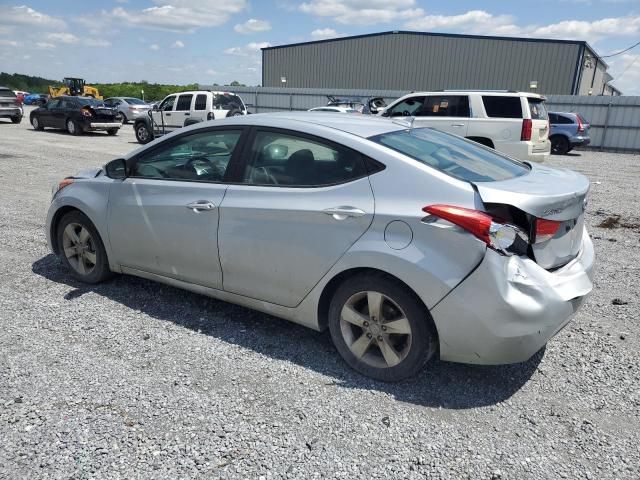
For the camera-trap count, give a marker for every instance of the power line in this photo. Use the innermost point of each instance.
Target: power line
(621, 51)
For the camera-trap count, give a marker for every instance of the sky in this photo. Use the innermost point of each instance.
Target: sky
(218, 41)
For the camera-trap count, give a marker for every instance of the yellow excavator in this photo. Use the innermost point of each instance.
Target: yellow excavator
(75, 87)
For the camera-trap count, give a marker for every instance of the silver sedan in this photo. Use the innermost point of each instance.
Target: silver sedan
(406, 243)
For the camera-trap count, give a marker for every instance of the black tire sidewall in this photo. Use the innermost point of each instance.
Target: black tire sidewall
(112, 131)
(149, 134)
(76, 127)
(424, 336)
(562, 145)
(101, 270)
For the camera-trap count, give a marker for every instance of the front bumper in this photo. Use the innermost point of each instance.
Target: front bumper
(104, 125)
(509, 307)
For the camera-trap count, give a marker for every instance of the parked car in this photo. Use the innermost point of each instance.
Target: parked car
(77, 115)
(186, 108)
(9, 105)
(129, 108)
(334, 109)
(568, 130)
(36, 99)
(405, 243)
(366, 105)
(514, 123)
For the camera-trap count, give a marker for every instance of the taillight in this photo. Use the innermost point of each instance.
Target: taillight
(546, 229)
(580, 124)
(527, 126)
(496, 234)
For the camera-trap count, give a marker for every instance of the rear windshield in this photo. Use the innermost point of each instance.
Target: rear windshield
(135, 101)
(227, 101)
(462, 159)
(497, 106)
(6, 93)
(538, 109)
(92, 102)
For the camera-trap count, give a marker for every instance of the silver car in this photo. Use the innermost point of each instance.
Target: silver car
(406, 243)
(129, 108)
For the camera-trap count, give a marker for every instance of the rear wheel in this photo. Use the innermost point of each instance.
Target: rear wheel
(72, 127)
(559, 145)
(81, 248)
(380, 328)
(112, 131)
(143, 133)
(35, 123)
(16, 119)
(122, 118)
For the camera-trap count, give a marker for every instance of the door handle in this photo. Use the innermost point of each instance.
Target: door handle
(457, 124)
(187, 114)
(341, 213)
(201, 205)
(168, 114)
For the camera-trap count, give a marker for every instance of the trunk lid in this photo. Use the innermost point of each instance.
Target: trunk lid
(104, 114)
(550, 194)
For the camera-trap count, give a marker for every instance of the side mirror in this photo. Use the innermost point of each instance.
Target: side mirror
(116, 169)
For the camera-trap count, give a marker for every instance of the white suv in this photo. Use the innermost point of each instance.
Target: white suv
(185, 108)
(514, 123)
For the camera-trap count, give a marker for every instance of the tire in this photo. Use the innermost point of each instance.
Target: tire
(123, 118)
(112, 131)
(17, 119)
(570, 148)
(81, 248)
(143, 133)
(361, 340)
(559, 145)
(72, 127)
(234, 113)
(35, 123)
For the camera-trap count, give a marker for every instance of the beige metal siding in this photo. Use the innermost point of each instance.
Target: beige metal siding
(405, 61)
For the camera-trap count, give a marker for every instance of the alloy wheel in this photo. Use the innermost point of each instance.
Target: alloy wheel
(79, 248)
(35, 123)
(71, 127)
(143, 133)
(375, 329)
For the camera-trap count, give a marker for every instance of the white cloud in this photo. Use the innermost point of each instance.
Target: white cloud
(63, 37)
(23, 15)
(180, 15)
(96, 42)
(248, 49)
(625, 70)
(177, 44)
(322, 33)
(253, 25)
(473, 21)
(363, 12)
(606, 27)
(211, 72)
(154, 47)
(8, 43)
(45, 45)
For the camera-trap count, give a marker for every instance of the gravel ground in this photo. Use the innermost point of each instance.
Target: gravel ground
(132, 379)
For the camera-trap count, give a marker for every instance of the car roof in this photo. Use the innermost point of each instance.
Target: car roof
(502, 93)
(359, 125)
(215, 92)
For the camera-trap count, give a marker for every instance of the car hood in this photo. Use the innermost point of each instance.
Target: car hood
(88, 172)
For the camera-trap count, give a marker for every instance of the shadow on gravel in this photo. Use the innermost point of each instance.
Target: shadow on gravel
(442, 384)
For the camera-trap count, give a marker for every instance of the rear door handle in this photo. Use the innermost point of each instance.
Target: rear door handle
(457, 124)
(341, 213)
(187, 114)
(201, 205)
(168, 114)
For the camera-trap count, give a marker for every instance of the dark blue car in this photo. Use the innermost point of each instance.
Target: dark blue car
(568, 130)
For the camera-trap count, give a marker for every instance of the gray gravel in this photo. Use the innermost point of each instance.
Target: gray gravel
(132, 379)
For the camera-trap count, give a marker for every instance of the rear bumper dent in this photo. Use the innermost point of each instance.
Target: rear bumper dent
(509, 308)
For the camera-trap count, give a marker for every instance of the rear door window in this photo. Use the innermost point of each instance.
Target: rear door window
(184, 103)
(201, 102)
(563, 120)
(445, 106)
(452, 155)
(538, 109)
(498, 106)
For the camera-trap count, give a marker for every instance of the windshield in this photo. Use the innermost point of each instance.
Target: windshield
(134, 101)
(538, 109)
(227, 101)
(84, 101)
(460, 158)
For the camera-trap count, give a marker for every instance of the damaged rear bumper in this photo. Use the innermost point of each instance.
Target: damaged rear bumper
(509, 307)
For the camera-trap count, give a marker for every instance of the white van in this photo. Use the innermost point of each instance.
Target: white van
(514, 123)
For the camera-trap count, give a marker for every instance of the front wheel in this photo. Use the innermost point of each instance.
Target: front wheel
(73, 128)
(112, 131)
(81, 248)
(143, 133)
(380, 328)
(35, 123)
(559, 145)
(16, 119)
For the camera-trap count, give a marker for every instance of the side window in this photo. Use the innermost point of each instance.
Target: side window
(201, 102)
(184, 103)
(407, 107)
(202, 156)
(445, 106)
(167, 103)
(68, 104)
(553, 118)
(54, 103)
(564, 120)
(502, 107)
(289, 160)
(108, 102)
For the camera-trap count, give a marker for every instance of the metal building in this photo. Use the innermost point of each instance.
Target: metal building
(402, 60)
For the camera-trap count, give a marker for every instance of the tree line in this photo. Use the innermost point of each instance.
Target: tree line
(152, 91)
